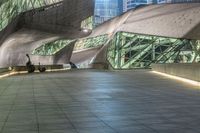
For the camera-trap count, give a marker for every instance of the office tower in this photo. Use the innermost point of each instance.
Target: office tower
(130, 4)
(107, 9)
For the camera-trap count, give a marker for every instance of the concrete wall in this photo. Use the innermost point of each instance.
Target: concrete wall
(10, 28)
(167, 20)
(188, 71)
(14, 49)
(84, 57)
(62, 17)
(100, 60)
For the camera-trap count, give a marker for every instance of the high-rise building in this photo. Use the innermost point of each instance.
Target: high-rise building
(162, 1)
(107, 9)
(176, 1)
(184, 1)
(130, 4)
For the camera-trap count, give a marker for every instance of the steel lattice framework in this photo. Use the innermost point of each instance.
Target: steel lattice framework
(127, 50)
(11, 8)
(91, 42)
(53, 47)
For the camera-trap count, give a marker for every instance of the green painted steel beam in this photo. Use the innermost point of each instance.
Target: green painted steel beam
(91, 42)
(170, 48)
(128, 50)
(51, 48)
(134, 59)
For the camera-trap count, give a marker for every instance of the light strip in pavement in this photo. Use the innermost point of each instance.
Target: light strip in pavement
(192, 82)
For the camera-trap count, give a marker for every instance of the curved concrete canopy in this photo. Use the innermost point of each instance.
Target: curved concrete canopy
(58, 21)
(24, 41)
(85, 56)
(168, 20)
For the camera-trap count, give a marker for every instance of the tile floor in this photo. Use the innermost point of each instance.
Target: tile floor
(91, 101)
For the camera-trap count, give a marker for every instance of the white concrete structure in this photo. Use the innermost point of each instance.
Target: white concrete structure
(168, 20)
(163, 20)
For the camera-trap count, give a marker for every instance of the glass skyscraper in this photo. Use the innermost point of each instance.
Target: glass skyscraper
(130, 4)
(107, 9)
(163, 1)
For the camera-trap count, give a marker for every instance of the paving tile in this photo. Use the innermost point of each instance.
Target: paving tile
(92, 101)
(96, 130)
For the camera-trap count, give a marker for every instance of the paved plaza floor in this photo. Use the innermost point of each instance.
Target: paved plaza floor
(92, 101)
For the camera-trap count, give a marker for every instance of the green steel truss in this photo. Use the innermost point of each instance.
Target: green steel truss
(91, 42)
(51, 48)
(128, 50)
(9, 9)
(88, 23)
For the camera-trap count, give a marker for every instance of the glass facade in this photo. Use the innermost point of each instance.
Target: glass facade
(176, 1)
(163, 1)
(130, 4)
(87, 23)
(51, 48)
(183, 1)
(107, 9)
(90, 42)
(9, 9)
(127, 50)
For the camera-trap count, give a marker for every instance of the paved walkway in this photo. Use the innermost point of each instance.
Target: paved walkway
(98, 102)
